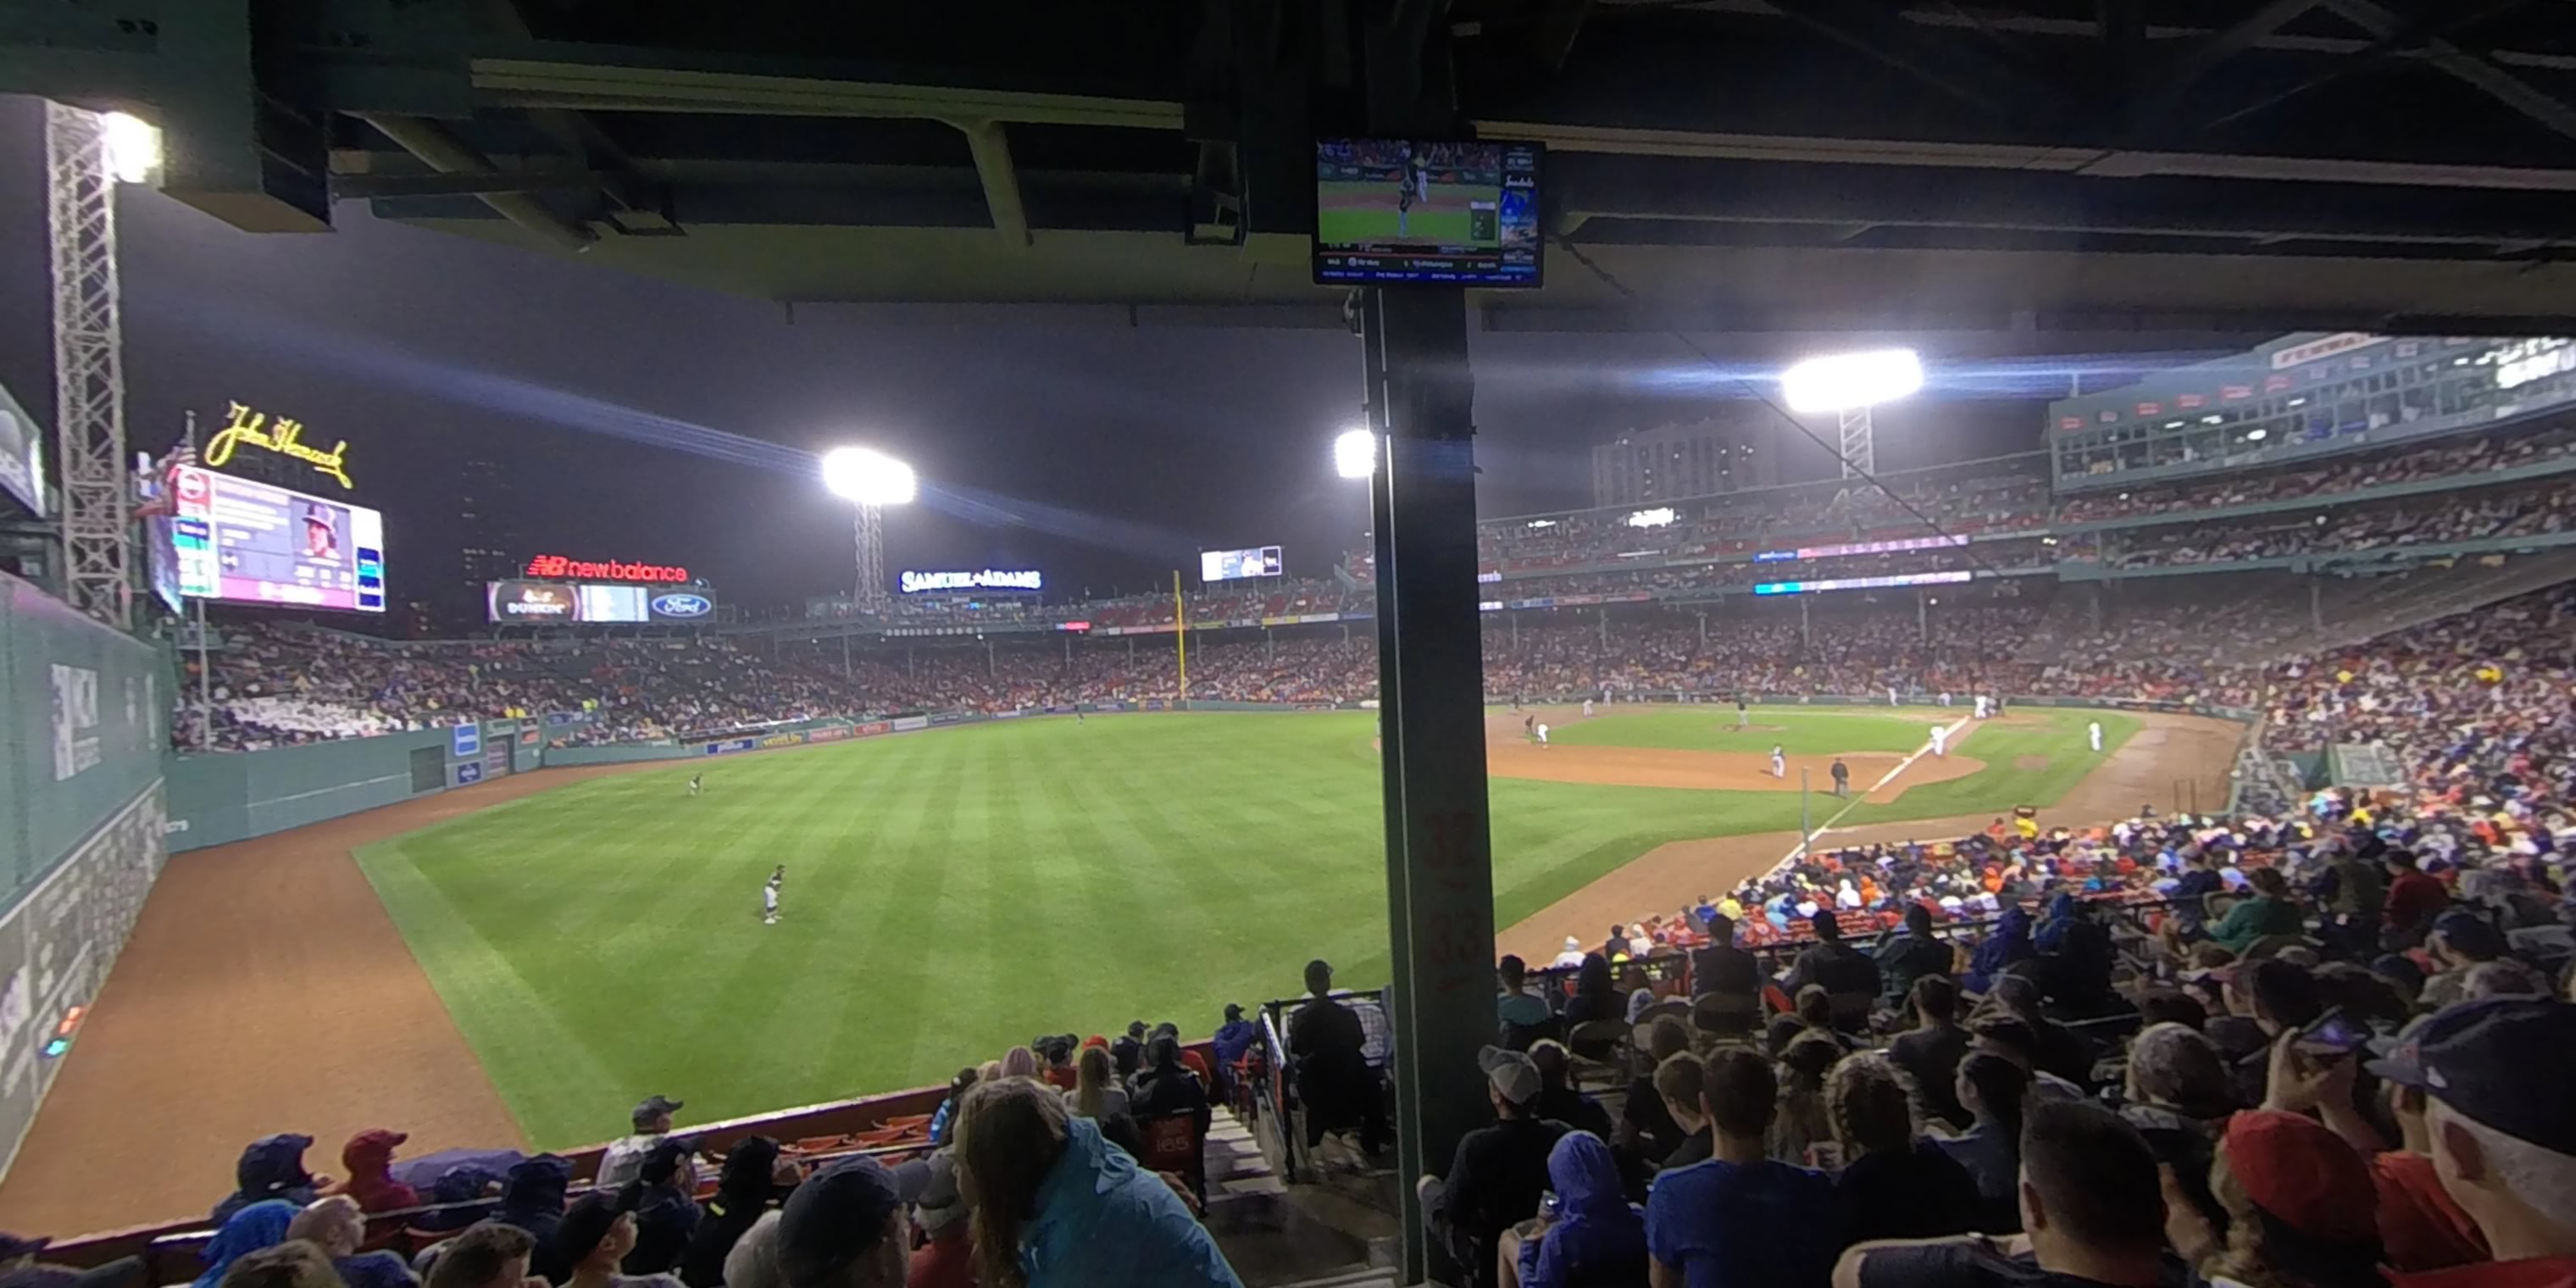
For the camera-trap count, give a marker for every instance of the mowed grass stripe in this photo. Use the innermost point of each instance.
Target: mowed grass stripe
(955, 892)
(1711, 727)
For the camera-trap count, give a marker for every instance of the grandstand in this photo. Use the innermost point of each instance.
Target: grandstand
(2389, 614)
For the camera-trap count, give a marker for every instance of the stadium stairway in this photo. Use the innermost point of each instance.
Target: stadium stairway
(1335, 1232)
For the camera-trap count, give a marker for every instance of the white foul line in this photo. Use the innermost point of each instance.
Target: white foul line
(1800, 849)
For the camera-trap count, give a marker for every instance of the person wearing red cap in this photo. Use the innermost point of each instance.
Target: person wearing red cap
(2301, 1207)
(369, 1156)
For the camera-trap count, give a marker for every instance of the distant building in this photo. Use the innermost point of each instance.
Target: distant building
(489, 505)
(1669, 462)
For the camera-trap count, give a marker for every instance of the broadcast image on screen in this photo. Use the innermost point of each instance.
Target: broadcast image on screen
(1229, 565)
(1409, 210)
(252, 543)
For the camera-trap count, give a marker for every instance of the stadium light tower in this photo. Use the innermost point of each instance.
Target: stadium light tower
(872, 480)
(1850, 384)
(1355, 453)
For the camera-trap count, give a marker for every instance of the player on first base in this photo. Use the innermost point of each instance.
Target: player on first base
(1779, 763)
(1542, 735)
(769, 896)
(2093, 730)
(1940, 740)
(694, 781)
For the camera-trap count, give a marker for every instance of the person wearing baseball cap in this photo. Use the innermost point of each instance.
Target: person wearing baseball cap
(2496, 1076)
(624, 1159)
(843, 1228)
(1499, 1172)
(2300, 1202)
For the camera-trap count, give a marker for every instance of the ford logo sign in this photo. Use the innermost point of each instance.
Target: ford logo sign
(680, 605)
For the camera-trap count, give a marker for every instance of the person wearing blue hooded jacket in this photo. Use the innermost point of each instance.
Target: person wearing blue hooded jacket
(259, 1225)
(1057, 1206)
(1594, 1235)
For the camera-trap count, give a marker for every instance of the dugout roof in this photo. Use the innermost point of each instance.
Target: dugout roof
(2049, 173)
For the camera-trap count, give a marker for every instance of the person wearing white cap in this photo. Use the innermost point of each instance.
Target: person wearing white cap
(1499, 1172)
(1571, 956)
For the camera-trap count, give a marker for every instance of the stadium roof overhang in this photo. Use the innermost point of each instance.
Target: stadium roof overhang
(2045, 174)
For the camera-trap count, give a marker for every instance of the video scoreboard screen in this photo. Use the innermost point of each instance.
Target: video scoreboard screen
(253, 543)
(1232, 565)
(541, 603)
(1418, 210)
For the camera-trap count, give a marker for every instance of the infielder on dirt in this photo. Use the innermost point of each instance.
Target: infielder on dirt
(1587, 708)
(1779, 763)
(1940, 740)
(1542, 735)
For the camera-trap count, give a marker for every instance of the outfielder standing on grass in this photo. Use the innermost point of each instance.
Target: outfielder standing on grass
(694, 781)
(2093, 730)
(1742, 716)
(769, 896)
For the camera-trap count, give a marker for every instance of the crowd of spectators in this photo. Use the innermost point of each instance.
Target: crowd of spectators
(2455, 458)
(2490, 679)
(2522, 510)
(1043, 1168)
(2320, 1051)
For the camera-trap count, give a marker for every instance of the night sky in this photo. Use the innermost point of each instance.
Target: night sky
(1125, 450)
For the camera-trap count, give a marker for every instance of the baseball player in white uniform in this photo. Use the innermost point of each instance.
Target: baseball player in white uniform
(1945, 697)
(1779, 763)
(1940, 740)
(1982, 706)
(769, 896)
(1587, 708)
(1542, 735)
(693, 783)
(1891, 695)
(2093, 730)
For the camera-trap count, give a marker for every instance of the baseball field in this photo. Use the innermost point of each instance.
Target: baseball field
(954, 893)
(516, 961)
(1354, 211)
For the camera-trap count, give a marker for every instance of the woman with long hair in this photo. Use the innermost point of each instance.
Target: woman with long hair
(1799, 1122)
(1596, 997)
(1894, 1184)
(1096, 1094)
(1993, 1090)
(1055, 1207)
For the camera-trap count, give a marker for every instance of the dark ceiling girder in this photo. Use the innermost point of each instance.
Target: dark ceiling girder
(2471, 69)
(2204, 56)
(1999, 88)
(1599, 188)
(440, 149)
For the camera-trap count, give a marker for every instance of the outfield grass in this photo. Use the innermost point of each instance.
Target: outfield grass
(1800, 731)
(949, 894)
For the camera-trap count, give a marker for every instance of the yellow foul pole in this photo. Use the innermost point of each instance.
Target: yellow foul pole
(1181, 626)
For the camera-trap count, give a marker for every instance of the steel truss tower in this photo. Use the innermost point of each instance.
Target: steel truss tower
(1859, 455)
(870, 528)
(89, 368)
